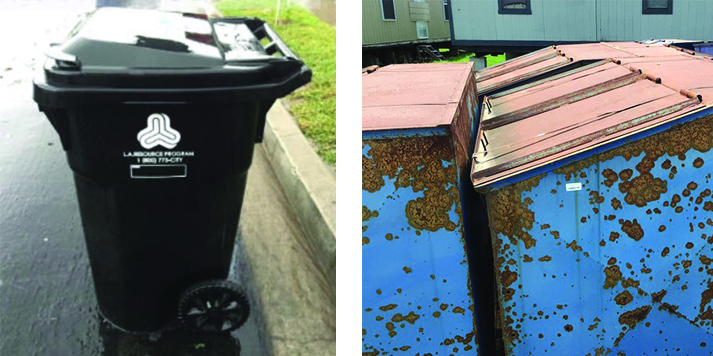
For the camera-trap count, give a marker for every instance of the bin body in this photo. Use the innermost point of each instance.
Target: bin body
(418, 292)
(160, 155)
(600, 207)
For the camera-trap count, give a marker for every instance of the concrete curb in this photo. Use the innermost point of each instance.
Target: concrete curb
(310, 187)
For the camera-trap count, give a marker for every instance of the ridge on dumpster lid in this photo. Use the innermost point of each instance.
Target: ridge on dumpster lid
(413, 95)
(630, 88)
(520, 68)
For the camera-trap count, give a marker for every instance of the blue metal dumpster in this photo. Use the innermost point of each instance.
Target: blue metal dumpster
(598, 189)
(418, 293)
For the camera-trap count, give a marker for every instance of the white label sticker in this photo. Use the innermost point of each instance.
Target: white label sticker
(574, 186)
(158, 132)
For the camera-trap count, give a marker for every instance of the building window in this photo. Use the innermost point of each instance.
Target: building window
(422, 30)
(657, 7)
(446, 11)
(388, 10)
(515, 7)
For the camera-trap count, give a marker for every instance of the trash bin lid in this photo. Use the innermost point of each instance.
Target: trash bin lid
(138, 50)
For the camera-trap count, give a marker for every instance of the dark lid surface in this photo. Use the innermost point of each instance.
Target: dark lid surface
(118, 48)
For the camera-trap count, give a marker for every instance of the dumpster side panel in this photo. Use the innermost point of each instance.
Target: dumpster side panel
(612, 253)
(415, 295)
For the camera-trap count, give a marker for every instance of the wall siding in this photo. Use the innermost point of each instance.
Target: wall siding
(376, 31)
(555, 20)
(622, 20)
(581, 20)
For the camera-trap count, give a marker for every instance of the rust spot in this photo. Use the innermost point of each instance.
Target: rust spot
(410, 318)
(692, 186)
(658, 296)
(662, 228)
(388, 307)
(583, 220)
(601, 351)
(594, 197)
(508, 277)
(545, 259)
(687, 263)
(458, 310)
(444, 306)
(526, 258)
(628, 282)
(415, 162)
(632, 229)
(364, 240)
(706, 296)
(511, 334)
(631, 318)
(615, 203)
(666, 164)
(407, 269)
(602, 243)
(510, 214)
(436, 314)
(568, 328)
(611, 261)
(626, 174)
(389, 236)
(612, 276)
(613, 236)
(643, 189)
(573, 245)
(705, 260)
(610, 177)
(367, 214)
(555, 234)
(673, 309)
(404, 348)
(689, 245)
(544, 226)
(624, 298)
(679, 209)
(698, 162)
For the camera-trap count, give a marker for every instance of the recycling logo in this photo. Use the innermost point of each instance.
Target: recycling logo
(158, 132)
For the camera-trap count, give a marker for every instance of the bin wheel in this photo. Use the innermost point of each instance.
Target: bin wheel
(214, 307)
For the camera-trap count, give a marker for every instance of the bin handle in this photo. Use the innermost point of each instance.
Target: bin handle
(64, 60)
(277, 43)
(260, 30)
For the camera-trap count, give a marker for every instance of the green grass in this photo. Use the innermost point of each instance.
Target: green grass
(491, 60)
(314, 41)
(460, 59)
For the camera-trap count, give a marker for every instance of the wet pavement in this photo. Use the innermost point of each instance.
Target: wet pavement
(47, 302)
(326, 10)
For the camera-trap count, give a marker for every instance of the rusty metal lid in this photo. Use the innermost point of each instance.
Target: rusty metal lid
(408, 96)
(632, 88)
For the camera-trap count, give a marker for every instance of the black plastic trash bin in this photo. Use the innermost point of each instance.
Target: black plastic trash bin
(158, 113)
